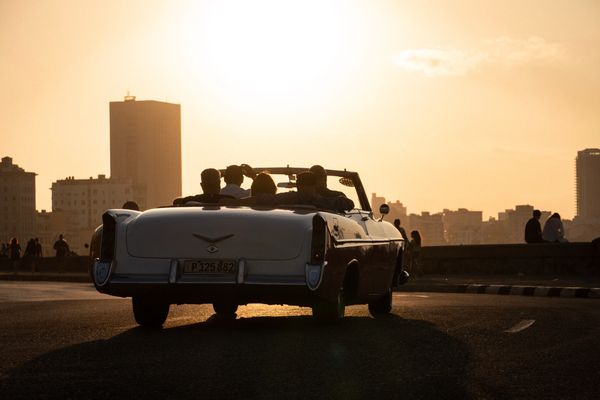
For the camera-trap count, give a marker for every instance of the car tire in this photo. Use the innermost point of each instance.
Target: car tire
(226, 310)
(330, 310)
(383, 305)
(149, 312)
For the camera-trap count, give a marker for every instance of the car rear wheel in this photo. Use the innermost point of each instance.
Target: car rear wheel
(149, 312)
(383, 305)
(226, 310)
(330, 310)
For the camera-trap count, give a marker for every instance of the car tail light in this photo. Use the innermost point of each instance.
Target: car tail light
(318, 247)
(320, 236)
(107, 248)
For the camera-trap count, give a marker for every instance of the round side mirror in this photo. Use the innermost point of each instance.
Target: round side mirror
(384, 209)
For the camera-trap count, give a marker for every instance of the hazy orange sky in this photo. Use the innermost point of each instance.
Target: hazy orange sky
(439, 104)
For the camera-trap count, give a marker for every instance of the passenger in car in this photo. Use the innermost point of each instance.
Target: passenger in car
(307, 195)
(210, 180)
(234, 177)
(321, 182)
(263, 184)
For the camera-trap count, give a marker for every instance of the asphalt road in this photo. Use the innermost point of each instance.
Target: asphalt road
(61, 340)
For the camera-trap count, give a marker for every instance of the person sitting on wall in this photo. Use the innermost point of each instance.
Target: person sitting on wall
(210, 181)
(234, 177)
(554, 231)
(533, 228)
(62, 247)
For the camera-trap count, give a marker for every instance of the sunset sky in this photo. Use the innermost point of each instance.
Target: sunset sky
(439, 104)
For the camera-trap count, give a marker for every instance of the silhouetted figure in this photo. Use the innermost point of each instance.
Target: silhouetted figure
(30, 248)
(307, 195)
(38, 248)
(415, 253)
(263, 184)
(554, 231)
(533, 228)
(321, 182)
(4, 251)
(14, 249)
(234, 177)
(210, 180)
(62, 247)
(29, 254)
(14, 252)
(401, 230)
(131, 205)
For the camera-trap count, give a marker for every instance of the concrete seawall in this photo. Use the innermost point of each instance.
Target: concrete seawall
(581, 259)
(529, 259)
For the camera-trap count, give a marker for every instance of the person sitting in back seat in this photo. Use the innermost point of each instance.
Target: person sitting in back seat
(210, 180)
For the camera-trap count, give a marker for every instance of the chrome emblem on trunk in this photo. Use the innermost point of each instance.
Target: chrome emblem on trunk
(212, 240)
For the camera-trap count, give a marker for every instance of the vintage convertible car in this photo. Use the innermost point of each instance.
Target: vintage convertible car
(231, 255)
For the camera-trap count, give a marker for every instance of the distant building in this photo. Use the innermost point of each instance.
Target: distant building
(514, 222)
(430, 226)
(463, 226)
(17, 202)
(51, 224)
(376, 201)
(84, 201)
(397, 209)
(495, 232)
(145, 147)
(587, 165)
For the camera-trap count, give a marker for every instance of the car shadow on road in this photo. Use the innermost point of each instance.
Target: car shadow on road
(261, 357)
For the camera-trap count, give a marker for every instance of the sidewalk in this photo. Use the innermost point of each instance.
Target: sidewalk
(45, 276)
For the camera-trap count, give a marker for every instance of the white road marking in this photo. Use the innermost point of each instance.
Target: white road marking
(524, 324)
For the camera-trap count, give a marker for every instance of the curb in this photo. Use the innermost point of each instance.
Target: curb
(517, 290)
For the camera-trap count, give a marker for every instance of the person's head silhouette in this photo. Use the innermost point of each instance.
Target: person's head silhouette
(263, 184)
(306, 183)
(210, 181)
(234, 174)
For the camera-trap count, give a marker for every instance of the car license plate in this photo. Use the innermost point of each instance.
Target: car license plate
(210, 267)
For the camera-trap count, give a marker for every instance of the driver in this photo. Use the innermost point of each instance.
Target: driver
(321, 182)
(307, 194)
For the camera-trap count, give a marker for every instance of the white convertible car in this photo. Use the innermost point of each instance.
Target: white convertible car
(231, 255)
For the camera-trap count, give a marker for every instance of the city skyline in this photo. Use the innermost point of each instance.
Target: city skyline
(444, 105)
(375, 199)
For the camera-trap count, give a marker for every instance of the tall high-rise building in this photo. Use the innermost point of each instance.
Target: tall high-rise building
(587, 167)
(17, 202)
(145, 147)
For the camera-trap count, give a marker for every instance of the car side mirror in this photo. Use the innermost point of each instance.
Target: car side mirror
(384, 210)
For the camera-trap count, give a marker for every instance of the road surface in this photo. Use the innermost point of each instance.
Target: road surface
(64, 340)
